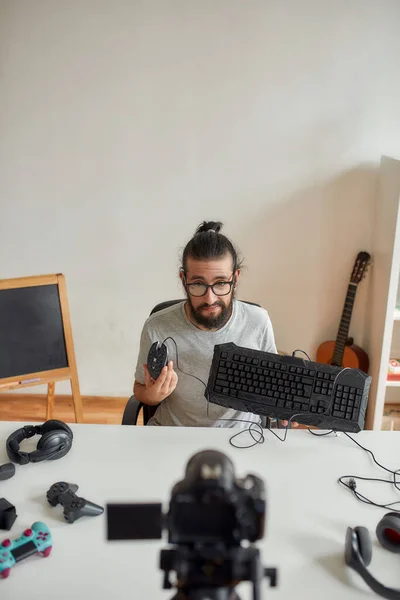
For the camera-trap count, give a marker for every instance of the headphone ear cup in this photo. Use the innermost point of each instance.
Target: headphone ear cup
(54, 424)
(388, 532)
(364, 544)
(53, 440)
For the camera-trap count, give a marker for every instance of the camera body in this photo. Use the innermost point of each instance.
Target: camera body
(211, 506)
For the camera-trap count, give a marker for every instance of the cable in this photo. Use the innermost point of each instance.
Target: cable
(352, 485)
(294, 353)
(177, 362)
(322, 434)
(259, 431)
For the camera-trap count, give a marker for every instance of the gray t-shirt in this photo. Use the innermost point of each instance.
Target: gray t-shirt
(248, 326)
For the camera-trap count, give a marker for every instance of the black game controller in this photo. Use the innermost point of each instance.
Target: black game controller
(157, 359)
(74, 507)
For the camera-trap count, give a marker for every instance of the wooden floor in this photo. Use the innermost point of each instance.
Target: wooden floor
(32, 408)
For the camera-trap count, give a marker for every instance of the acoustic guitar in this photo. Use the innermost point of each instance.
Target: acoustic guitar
(343, 352)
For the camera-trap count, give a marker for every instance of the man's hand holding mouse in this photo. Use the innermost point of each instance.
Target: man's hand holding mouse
(157, 390)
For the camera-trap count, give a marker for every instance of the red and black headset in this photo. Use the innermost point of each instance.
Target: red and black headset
(358, 551)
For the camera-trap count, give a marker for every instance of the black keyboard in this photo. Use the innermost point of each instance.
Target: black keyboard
(283, 386)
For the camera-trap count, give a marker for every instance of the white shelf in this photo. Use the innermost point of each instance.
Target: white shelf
(393, 383)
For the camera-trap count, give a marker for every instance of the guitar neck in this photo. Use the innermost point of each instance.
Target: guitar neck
(343, 332)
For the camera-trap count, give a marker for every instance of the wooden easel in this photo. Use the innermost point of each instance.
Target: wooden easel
(50, 378)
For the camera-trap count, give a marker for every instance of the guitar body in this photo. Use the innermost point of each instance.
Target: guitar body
(353, 356)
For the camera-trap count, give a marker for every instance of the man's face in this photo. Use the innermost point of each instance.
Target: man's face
(210, 311)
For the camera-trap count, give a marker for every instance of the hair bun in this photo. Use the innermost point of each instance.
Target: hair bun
(214, 226)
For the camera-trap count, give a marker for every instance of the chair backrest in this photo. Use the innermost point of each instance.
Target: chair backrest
(149, 411)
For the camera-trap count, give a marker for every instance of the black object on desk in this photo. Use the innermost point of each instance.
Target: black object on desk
(286, 387)
(74, 507)
(7, 471)
(8, 514)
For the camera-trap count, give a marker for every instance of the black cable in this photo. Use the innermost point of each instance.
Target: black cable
(351, 484)
(298, 350)
(321, 434)
(261, 438)
(177, 362)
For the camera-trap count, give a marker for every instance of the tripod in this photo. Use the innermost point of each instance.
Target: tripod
(212, 572)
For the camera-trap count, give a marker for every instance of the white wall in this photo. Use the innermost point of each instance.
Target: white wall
(124, 124)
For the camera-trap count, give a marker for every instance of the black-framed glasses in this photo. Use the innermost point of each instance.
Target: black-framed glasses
(220, 288)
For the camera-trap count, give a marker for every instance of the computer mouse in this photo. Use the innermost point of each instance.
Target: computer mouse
(157, 359)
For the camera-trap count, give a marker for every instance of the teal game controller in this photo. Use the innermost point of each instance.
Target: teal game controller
(35, 540)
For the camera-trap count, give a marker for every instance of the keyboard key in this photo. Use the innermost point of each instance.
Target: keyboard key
(288, 404)
(218, 389)
(224, 355)
(225, 390)
(338, 413)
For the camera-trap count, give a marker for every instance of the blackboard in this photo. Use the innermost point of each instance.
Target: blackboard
(36, 344)
(31, 331)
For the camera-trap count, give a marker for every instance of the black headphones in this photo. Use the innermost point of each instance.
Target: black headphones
(358, 551)
(55, 442)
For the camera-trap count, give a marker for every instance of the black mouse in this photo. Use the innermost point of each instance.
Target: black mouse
(157, 359)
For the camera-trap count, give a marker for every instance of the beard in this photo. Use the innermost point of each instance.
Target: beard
(209, 321)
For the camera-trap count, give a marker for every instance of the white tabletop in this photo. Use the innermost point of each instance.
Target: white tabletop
(308, 511)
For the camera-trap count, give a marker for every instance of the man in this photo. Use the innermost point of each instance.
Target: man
(210, 315)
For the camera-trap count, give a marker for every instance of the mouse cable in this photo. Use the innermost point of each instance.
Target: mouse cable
(254, 427)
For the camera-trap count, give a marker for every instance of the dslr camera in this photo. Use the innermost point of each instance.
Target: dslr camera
(212, 522)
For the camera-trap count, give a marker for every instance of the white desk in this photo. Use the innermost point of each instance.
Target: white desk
(306, 522)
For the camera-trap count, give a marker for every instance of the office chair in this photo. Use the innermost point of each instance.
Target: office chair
(133, 406)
